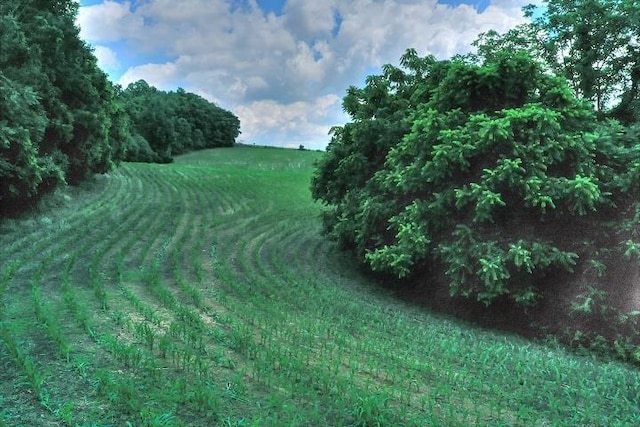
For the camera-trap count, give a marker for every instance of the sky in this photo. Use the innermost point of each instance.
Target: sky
(281, 66)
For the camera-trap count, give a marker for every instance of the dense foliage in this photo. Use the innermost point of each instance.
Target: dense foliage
(62, 120)
(168, 124)
(56, 107)
(488, 169)
(594, 44)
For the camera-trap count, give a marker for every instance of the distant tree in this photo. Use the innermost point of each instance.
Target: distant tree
(166, 124)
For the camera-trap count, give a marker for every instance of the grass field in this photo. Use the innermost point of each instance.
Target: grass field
(202, 293)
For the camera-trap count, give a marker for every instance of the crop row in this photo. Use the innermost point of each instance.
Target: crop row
(203, 292)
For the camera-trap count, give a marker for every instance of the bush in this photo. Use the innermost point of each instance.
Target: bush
(494, 173)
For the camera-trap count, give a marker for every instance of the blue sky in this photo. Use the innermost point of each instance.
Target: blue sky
(282, 66)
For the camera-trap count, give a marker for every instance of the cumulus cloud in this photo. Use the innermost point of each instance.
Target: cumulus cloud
(162, 76)
(110, 21)
(306, 19)
(277, 72)
(107, 59)
(299, 123)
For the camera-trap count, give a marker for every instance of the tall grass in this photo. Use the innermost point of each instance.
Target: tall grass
(202, 293)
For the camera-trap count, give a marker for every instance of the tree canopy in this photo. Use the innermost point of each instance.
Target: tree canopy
(166, 124)
(594, 44)
(488, 170)
(62, 120)
(56, 104)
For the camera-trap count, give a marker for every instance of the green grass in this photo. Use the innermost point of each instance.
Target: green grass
(202, 293)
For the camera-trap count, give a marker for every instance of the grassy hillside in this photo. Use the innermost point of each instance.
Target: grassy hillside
(201, 293)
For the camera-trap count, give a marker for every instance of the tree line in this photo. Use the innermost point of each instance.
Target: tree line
(62, 120)
(498, 170)
(166, 124)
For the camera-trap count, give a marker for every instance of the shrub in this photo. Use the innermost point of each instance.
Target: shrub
(496, 174)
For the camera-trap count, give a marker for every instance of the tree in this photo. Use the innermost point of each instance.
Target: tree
(358, 149)
(22, 120)
(62, 120)
(166, 124)
(592, 43)
(57, 111)
(492, 177)
(588, 39)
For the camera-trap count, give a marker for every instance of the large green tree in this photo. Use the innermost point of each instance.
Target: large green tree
(22, 119)
(57, 105)
(494, 174)
(357, 150)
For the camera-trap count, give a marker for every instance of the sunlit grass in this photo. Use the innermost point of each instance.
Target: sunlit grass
(202, 293)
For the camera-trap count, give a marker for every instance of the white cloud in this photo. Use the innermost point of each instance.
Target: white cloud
(107, 59)
(307, 63)
(161, 76)
(307, 19)
(299, 123)
(109, 21)
(277, 72)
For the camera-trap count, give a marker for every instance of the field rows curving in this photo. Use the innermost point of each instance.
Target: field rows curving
(202, 293)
